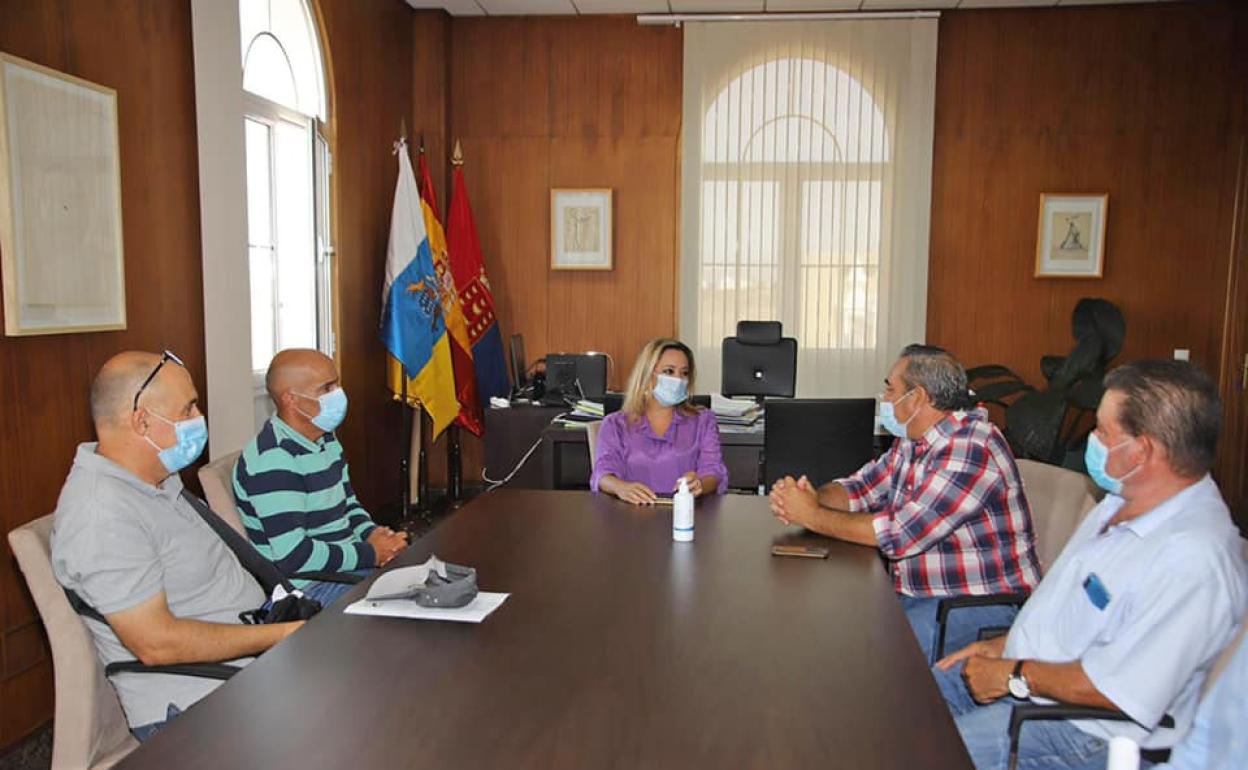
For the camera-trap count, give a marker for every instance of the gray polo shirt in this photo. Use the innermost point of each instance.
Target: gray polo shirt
(117, 541)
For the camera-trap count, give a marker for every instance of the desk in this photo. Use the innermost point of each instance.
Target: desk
(565, 463)
(562, 461)
(617, 648)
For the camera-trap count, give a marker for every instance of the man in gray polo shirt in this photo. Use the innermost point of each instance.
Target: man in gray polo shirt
(126, 542)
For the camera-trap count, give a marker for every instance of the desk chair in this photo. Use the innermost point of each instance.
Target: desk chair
(759, 361)
(821, 438)
(89, 729)
(591, 441)
(1059, 499)
(217, 479)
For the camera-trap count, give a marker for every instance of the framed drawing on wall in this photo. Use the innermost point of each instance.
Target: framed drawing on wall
(580, 229)
(60, 203)
(1070, 241)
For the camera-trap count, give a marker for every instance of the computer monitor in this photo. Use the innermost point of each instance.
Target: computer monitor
(519, 368)
(821, 438)
(573, 376)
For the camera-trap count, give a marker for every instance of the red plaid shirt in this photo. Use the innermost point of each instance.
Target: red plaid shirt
(950, 514)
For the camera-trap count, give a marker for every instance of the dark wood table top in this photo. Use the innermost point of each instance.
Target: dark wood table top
(617, 649)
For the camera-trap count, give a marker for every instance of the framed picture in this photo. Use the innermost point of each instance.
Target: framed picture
(60, 203)
(580, 229)
(1070, 242)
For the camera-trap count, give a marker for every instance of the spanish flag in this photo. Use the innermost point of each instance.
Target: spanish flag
(470, 413)
(413, 328)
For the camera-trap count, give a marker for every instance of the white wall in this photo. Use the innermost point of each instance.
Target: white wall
(223, 224)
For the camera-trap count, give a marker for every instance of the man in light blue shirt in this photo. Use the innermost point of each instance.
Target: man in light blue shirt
(1145, 595)
(1219, 736)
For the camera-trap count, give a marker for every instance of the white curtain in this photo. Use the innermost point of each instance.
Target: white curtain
(806, 195)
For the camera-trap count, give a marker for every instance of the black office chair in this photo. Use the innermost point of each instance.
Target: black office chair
(821, 438)
(759, 361)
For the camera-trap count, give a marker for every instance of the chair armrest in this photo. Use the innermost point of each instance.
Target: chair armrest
(1034, 711)
(328, 577)
(220, 671)
(992, 632)
(952, 603)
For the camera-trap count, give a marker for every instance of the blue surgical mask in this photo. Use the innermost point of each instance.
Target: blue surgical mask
(670, 391)
(888, 417)
(1096, 456)
(190, 438)
(333, 409)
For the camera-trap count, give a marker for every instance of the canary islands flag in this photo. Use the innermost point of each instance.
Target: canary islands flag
(412, 327)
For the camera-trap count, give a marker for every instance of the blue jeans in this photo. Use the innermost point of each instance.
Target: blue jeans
(962, 627)
(1043, 745)
(327, 593)
(143, 732)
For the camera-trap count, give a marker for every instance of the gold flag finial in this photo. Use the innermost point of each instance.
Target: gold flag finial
(403, 129)
(457, 158)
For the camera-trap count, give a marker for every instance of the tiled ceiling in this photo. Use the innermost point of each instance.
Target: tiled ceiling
(579, 7)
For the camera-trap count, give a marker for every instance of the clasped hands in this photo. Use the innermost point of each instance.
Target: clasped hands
(793, 501)
(986, 673)
(386, 543)
(639, 494)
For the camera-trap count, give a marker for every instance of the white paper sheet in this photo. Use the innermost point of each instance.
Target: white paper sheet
(474, 612)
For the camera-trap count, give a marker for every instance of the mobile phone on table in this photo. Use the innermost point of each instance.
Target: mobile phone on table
(805, 550)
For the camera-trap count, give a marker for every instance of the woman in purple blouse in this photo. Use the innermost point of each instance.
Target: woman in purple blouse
(658, 437)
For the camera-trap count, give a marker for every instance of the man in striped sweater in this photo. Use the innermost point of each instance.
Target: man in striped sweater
(293, 487)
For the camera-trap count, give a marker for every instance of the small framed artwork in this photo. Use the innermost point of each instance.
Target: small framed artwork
(60, 203)
(1070, 242)
(580, 229)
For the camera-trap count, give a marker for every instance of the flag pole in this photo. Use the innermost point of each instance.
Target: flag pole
(454, 457)
(405, 468)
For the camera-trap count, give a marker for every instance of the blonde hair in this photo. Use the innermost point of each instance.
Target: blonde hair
(638, 391)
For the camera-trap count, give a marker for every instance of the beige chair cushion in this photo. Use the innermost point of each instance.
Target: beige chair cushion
(90, 729)
(591, 438)
(1059, 499)
(217, 478)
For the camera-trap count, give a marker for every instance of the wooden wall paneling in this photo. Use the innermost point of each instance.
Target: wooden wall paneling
(431, 32)
(602, 110)
(617, 311)
(1232, 468)
(370, 50)
(44, 381)
(1133, 101)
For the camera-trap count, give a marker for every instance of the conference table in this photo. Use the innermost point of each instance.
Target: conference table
(618, 648)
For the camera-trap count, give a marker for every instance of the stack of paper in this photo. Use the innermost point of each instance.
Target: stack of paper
(587, 408)
(474, 612)
(735, 411)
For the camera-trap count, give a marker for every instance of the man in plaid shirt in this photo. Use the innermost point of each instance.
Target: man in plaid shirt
(944, 505)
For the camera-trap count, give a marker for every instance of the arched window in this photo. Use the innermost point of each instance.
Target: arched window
(288, 167)
(793, 151)
(806, 191)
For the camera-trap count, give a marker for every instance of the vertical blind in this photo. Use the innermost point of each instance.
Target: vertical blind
(806, 191)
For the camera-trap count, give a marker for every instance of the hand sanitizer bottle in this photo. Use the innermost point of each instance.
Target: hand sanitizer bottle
(682, 514)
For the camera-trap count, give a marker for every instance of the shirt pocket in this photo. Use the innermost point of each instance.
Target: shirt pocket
(1079, 622)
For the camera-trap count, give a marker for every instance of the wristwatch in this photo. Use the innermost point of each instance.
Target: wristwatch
(1018, 683)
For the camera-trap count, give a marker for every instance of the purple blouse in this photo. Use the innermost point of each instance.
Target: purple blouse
(634, 453)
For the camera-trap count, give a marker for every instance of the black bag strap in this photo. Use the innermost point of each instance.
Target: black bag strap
(261, 568)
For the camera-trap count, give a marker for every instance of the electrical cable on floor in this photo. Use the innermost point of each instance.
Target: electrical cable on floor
(492, 484)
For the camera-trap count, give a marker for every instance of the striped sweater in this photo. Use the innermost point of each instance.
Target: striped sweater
(297, 503)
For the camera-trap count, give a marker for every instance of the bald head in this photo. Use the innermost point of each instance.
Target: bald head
(299, 369)
(112, 391)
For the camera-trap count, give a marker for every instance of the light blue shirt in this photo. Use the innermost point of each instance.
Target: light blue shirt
(1145, 606)
(1219, 736)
